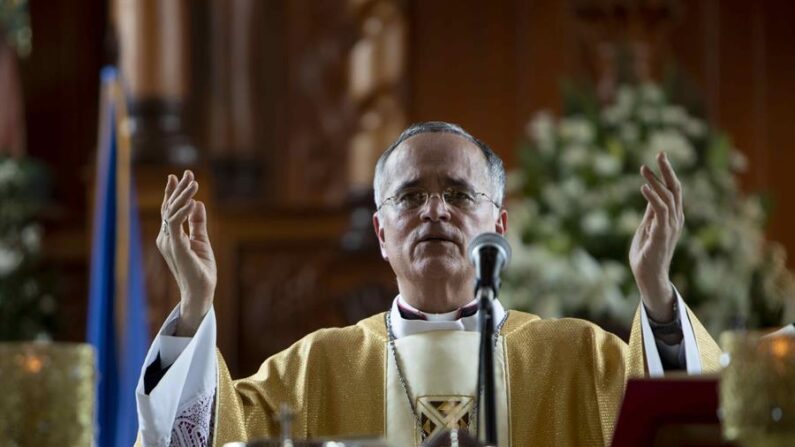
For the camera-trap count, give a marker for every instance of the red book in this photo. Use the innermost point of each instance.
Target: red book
(678, 412)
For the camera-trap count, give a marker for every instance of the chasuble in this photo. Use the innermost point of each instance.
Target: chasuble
(564, 381)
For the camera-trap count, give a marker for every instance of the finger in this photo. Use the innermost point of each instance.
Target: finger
(184, 182)
(671, 180)
(648, 216)
(185, 196)
(171, 185)
(641, 232)
(177, 220)
(197, 222)
(644, 229)
(658, 205)
(664, 193)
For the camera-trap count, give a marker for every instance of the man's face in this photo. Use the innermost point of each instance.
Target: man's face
(429, 243)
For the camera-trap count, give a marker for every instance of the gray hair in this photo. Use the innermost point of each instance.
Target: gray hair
(494, 164)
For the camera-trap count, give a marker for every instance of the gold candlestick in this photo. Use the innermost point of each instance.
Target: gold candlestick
(47, 394)
(757, 389)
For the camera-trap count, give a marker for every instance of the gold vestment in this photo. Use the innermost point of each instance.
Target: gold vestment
(566, 379)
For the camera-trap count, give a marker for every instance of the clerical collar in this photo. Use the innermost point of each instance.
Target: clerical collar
(408, 320)
(409, 312)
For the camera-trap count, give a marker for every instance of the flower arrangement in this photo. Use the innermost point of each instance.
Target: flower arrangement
(576, 203)
(27, 307)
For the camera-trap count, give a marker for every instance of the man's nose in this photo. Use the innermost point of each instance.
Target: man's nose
(435, 209)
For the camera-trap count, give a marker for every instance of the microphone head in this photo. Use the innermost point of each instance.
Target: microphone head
(493, 240)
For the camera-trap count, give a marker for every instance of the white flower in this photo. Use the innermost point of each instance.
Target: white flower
(586, 266)
(573, 187)
(9, 259)
(673, 115)
(606, 165)
(623, 189)
(648, 114)
(615, 272)
(651, 93)
(738, 161)
(629, 221)
(31, 237)
(574, 156)
(625, 97)
(694, 127)
(676, 146)
(541, 129)
(596, 222)
(629, 132)
(700, 198)
(9, 170)
(554, 196)
(612, 115)
(576, 129)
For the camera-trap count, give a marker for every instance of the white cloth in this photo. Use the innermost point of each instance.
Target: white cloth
(181, 403)
(653, 362)
(437, 322)
(193, 373)
(443, 367)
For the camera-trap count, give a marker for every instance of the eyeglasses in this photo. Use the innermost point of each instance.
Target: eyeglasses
(457, 198)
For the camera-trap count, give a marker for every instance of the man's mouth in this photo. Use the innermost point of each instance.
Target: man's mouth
(435, 239)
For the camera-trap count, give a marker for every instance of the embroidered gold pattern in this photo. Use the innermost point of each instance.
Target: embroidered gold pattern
(440, 413)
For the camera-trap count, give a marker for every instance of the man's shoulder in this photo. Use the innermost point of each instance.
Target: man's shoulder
(369, 329)
(357, 349)
(525, 325)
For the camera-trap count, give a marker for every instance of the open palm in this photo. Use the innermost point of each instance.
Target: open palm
(188, 255)
(655, 240)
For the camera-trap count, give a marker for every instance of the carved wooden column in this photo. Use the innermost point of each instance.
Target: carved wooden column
(154, 60)
(239, 136)
(624, 41)
(377, 87)
(319, 118)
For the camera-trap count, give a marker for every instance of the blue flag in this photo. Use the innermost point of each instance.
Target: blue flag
(117, 321)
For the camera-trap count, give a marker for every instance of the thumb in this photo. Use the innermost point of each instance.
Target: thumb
(197, 222)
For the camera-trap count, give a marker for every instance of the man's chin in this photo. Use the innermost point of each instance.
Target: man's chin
(439, 267)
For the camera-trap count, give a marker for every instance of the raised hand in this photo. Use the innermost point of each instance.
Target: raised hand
(655, 239)
(188, 254)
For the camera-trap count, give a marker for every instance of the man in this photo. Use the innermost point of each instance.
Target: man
(410, 372)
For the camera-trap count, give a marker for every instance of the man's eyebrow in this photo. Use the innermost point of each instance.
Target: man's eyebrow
(454, 182)
(407, 184)
(459, 183)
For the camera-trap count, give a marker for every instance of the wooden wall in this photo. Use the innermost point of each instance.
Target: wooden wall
(490, 65)
(485, 65)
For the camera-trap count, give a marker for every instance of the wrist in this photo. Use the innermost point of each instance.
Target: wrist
(190, 318)
(659, 301)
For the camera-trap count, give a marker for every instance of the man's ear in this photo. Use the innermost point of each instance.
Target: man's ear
(501, 225)
(379, 233)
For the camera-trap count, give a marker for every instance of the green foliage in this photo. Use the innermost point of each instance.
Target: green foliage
(576, 204)
(27, 307)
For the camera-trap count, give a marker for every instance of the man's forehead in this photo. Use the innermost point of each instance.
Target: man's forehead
(442, 155)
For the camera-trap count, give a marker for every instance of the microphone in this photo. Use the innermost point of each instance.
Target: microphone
(490, 254)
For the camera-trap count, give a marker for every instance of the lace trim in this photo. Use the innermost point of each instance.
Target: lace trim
(192, 427)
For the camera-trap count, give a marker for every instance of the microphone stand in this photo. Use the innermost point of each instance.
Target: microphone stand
(489, 253)
(485, 297)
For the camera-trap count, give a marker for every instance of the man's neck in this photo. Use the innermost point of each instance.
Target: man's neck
(435, 297)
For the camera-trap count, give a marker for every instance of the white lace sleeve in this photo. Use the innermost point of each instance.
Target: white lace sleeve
(193, 425)
(180, 404)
